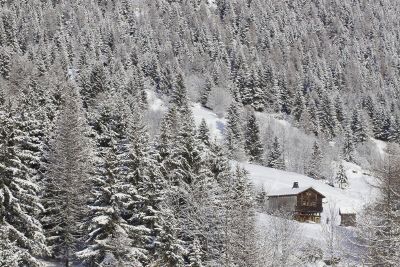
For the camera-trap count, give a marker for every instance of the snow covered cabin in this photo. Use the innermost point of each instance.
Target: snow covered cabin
(304, 202)
(347, 216)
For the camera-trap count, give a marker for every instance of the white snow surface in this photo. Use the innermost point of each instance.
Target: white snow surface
(288, 191)
(347, 210)
(215, 124)
(155, 103)
(355, 196)
(380, 145)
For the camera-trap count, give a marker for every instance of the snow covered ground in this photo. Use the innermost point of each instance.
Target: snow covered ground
(215, 124)
(356, 195)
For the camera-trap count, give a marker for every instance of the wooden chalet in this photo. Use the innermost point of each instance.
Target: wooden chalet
(304, 202)
(347, 216)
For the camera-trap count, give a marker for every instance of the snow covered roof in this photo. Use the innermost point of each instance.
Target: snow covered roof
(290, 191)
(347, 210)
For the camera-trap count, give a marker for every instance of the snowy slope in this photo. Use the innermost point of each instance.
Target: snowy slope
(215, 124)
(358, 193)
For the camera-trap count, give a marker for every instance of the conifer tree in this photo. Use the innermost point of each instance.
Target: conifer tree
(341, 177)
(314, 166)
(348, 147)
(298, 106)
(19, 199)
(378, 227)
(234, 133)
(205, 93)
(97, 83)
(339, 110)
(5, 63)
(275, 156)
(10, 255)
(109, 230)
(240, 249)
(253, 145)
(358, 128)
(204, 133)
(66, 188)
(179, 93)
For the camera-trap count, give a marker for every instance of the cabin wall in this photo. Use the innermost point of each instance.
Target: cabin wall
(284, 203)
(309, 201)
(348, 220)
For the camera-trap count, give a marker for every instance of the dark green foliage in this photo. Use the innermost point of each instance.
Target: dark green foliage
(341, 177)
(314, 167)
(253, 145)
(275, 156)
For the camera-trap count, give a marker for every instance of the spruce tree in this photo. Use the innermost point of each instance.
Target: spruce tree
(234, 133)
(205, 92)
(275, 156)
(10, 255)
(314, 166)
(109, 232)
(358, 128)
(298, 106)
(348, 147)
(66, 181)
(179, 93)
(241, 241)
(19, 197)
(204, 133)
(341, 177)
(253, 145)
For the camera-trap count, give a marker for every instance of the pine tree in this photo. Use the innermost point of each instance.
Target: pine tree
(261, 198)
(253, 145)
(66, 189)
(241, 239)
(327, 115)
(298, 106)
(234, 134)
(378, 226)
(19, 198)
(97, 83)
(341, 177)
(275, 156)
(195, 254)
(381, 124)
(205, 93)
(348, 147)
(109, 230)
(258, 95)
(10, 255)
(204, 133)
(340, 113)
(358, 128)
(5, 63)
(314, 166)
(179, 93)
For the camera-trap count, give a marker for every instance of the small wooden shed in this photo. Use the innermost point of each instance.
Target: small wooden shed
(305, 203)
(347, 216)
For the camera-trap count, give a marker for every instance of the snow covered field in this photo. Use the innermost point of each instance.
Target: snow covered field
(358, 192)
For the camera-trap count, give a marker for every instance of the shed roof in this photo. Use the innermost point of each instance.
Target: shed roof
(347, 210)
(291, 192)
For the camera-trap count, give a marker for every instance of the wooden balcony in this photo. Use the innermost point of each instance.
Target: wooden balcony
(310, 209)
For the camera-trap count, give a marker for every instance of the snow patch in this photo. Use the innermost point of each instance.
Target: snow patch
(215, 124)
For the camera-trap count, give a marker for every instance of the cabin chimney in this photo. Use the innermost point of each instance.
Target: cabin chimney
(295, 185)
